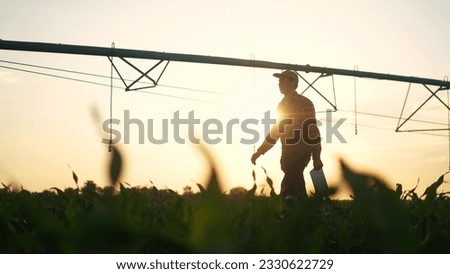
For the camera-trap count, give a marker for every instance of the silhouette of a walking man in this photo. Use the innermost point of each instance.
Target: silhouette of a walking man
(296, 127)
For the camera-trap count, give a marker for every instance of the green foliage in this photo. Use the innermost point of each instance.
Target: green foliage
(124, 219)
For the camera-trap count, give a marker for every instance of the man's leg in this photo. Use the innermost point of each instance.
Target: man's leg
(293, 163)
(293, 183)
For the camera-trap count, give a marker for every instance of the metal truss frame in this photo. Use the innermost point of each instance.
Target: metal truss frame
(401, 123)
(130, 87)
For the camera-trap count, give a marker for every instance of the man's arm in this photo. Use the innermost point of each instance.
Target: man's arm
(268, 143)
(313, 136)
(317, 162)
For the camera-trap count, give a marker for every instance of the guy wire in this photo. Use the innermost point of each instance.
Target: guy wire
(252, 57)
(111, 100)
(356, 110)
(448, 128)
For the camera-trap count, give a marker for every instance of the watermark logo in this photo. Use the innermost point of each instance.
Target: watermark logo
(215, 131)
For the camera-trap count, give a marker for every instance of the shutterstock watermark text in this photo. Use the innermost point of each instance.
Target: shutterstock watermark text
(183, 128)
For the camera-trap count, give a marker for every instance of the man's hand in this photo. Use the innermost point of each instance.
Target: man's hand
(317, 164)
(255, 156)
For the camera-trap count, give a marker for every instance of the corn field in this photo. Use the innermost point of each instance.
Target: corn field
(124, 219)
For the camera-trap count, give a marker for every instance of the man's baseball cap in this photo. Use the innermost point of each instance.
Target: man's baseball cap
(287, 74)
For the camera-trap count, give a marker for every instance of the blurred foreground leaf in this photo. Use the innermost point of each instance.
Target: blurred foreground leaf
(381, 214)
(115, 166)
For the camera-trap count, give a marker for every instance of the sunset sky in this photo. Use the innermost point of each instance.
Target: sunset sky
(48, 129)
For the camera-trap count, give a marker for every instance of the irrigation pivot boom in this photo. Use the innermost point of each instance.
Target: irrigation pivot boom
(123, 54)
